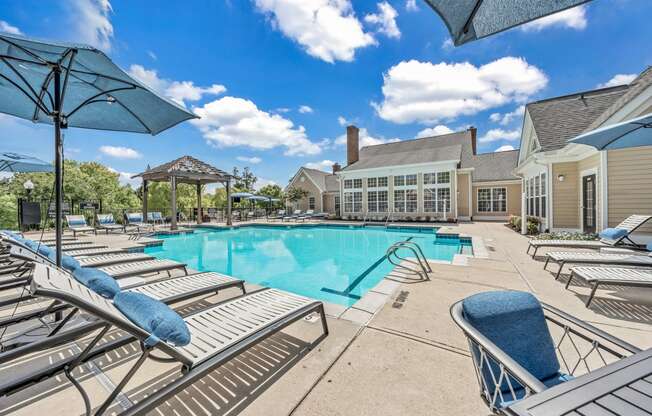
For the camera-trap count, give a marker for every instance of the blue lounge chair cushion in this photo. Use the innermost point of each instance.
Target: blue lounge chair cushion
(515, 323)
(97, 281)
(105, 219)
(67, 262)
(519, 393)
(40, 248)
(613, 233)
(155, 317)
(135, 217)
(76, 222)
(649, 247)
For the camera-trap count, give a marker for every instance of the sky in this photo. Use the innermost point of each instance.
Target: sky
(275, 82)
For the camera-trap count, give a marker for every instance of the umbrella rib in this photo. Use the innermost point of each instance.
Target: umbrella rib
(22, 78)
(27, 51)
(24, 92)
(72, 53)
(465, 28)
(92, 99)
(620, 136)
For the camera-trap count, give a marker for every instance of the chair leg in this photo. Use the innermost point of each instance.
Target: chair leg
(595, 287)
(547, 261)
(561, 266)
(570, 278)
(535, 252)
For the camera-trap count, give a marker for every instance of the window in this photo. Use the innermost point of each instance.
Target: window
(352, 183)
(429, 178)
(399, 200)
(311, 202)
(405, 200)
(353, 202)
(377, 201)
(429, 199)
(543, 196)
(410, 180)
(492, 200)
(399, 180)
(443, 177)
(443, 199)
(348, 183)
(436, 200)
(337, 205)
(357, 183)
(382, 182)
(371, 182)
(536, 196)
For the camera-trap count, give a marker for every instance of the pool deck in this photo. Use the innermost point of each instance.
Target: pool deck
(408, 357)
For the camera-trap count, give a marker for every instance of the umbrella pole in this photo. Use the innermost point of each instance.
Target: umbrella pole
(58, 168)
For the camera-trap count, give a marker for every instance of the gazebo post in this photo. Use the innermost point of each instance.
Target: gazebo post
(145, 184)
(228, 202)
(173, 202)
(199, 216)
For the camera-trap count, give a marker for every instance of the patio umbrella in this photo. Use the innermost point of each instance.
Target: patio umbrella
(13, 162)
(633, 133)
(72, 85)
(469, 20)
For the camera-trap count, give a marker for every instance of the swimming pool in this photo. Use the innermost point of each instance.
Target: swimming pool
(337, 264)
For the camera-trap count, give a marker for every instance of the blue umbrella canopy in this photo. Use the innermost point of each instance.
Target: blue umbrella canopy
(72, 85)
(241, 195)
(258, 198)
(469, 20)
(13, 162)
(633, 133)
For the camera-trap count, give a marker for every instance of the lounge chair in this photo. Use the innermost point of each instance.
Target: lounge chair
(251, 215)
(308, 214)
(521, 347)
(296, 214)
(77, 224)
(633, 259)
(84, 252)
(278, 216)
(76, 245)
(613, 276)
(110, 259)
(135, 219)
(608, 238)
(107, 223)
(200, 342)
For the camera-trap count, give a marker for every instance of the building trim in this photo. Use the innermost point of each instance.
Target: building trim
(441, 163)
(498, 183)
(604, 188)
(298, 175)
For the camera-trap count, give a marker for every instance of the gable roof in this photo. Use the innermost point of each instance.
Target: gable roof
(323, 180)
(556, 120)
(453, 146)
(185, 168)
(641, 83)
(496, 166)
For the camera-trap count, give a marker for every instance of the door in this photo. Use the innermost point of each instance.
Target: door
(588, 203)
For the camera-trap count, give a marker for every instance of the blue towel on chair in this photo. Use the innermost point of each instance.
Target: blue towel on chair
(613, 233)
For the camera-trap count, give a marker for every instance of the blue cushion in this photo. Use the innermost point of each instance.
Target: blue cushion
(515, 323)
(76, 222)
(155, 317)
(135, 217)
(519, 392)
(613, 233)
(97, 281)
(67, 262)
(40, 248)
(649, 246)
(105, 219)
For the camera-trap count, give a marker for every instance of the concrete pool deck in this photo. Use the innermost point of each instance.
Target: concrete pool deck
(409, 358)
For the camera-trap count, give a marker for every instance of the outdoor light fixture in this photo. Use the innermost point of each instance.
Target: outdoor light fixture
(561, 178)
(29, 186)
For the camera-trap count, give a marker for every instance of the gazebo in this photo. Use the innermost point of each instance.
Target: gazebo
(186, 169)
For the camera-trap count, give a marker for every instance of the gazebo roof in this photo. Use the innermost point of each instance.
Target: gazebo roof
(185, 169)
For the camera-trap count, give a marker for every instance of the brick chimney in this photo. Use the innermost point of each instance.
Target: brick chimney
(352, 144)
(336, 168)
(474, 136)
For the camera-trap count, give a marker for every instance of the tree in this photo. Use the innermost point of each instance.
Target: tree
(272, 190)
(244, 181)
(296, 194)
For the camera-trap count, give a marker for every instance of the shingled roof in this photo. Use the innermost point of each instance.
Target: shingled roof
(556, 120)
(496, 166)
(453, 146)
(185, 169)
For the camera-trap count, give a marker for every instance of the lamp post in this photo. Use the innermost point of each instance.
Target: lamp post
(29, 187)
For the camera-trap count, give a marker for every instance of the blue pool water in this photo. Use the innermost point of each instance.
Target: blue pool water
(313, 261)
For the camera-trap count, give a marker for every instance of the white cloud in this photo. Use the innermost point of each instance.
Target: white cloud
(507, 118)
(424, 92)
(438, 130)
(120, 152)
(365, 139)
(254, 160)
(7, 28)
(324, 165)
(282, 110)
(326, 29)
(447, 44)
(304, 109)
(574, 18)
(342, 121)
(262, 182)
(495, 135)
(385, 19)
(618, 79)
(233, 121)
(505, 148)
(411, 5)
(178, 91)
(92, 24)
(152, 55)
(125, 178)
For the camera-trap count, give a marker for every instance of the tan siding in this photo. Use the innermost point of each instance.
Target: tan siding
(513, 201)
(591, 162)
(565, 195)
(313, 191)
(329, 203)
(629, 184)
(463, 195)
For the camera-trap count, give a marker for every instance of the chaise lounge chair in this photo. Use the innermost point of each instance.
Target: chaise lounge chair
(613, 276)
(135, 219)
(77, 224)
(278, 216)
(200, 342)
(632, 259)
(521, 347)
(296, 214)
(608, 238)
(155, 218)
(107, 223)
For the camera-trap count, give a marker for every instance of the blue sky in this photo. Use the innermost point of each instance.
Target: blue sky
(276, 81)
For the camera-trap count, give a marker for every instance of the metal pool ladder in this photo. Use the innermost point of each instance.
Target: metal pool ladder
(423, 267)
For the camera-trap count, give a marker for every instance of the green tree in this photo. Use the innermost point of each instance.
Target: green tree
(294, 194)
(272, 190)
(244, 181)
